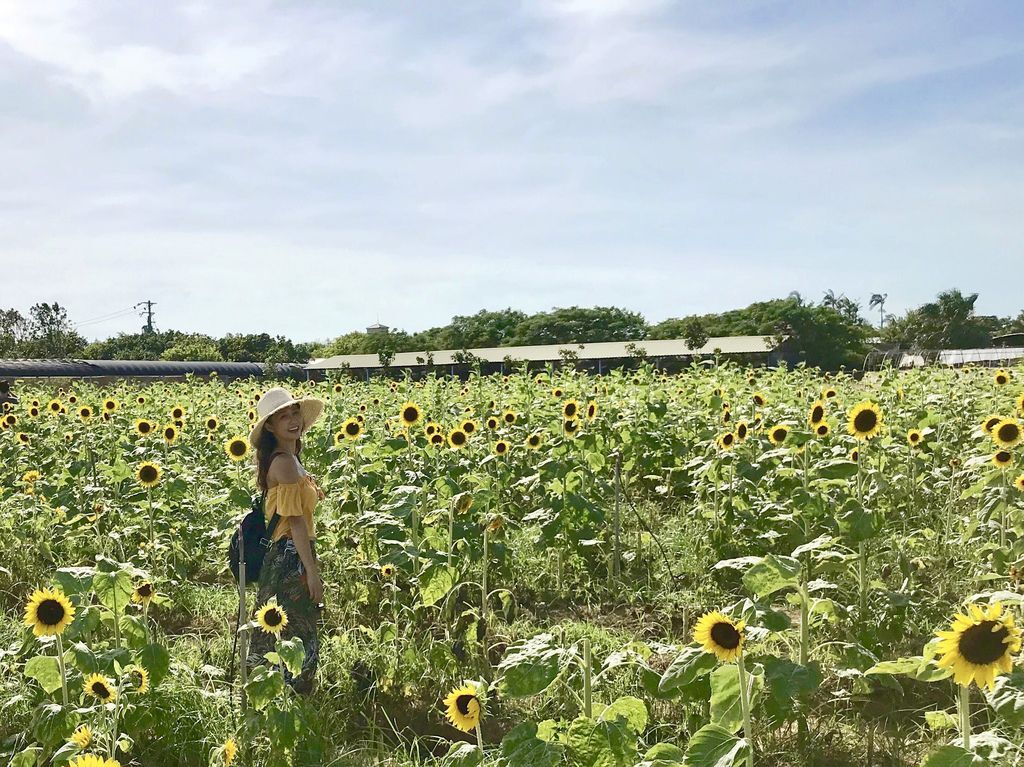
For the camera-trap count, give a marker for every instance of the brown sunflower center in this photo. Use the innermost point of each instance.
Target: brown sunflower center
(237, 447)
(99, 689)
(817, 413)
(50, 612)
(177, 412)
(1000, 379)
(779, 434)
(468, 427)
(570, 426)
(741, 430)
(510, 417)
(1008, 432)
(211, 423)
(570, 409)
(1003, 456)
(983, 644)
(458, 438)
(436, 439)
(169, 433)
(410, 414)
(147, 473)
(990, 424)
(865, 421)
(352, 429)
(725, 635)
(534, 441)
(144, 427)
(727, 439)
(462, 703)
(272, 617)
(145, 590)
(501, 447)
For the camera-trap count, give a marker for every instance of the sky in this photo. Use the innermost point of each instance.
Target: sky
(309, 168)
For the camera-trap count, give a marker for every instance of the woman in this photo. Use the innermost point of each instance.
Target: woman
(290, 573)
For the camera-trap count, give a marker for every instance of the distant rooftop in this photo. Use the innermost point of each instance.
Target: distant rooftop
(550, 352)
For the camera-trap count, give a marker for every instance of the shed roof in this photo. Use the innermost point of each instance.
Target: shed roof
(79, 368)
(550, 352)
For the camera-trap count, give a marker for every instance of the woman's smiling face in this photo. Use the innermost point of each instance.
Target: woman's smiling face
(286, 424)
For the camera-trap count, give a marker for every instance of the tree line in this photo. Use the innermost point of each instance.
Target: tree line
(826, 333)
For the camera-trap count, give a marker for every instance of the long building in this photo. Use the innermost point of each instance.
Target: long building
(594, 357)
(103, 370)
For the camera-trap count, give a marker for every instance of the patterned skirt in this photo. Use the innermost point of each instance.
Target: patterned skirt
(283, 576)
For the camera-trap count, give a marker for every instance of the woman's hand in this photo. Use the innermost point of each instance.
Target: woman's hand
(315, 586)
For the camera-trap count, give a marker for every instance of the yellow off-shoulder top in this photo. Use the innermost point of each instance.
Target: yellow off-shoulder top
(293, 499)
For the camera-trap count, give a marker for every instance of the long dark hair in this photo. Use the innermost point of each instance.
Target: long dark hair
(265, 447)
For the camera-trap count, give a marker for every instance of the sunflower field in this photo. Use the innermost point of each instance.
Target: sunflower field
(719, 567)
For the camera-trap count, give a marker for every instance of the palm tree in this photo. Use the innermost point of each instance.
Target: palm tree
(878, 299)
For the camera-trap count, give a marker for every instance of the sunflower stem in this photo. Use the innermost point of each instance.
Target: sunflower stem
(964, 702)
(587, 701)
(745, 708)
(480, 742)
(63, 671)
(152, 535)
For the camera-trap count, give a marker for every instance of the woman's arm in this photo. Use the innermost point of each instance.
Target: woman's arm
(301, 537)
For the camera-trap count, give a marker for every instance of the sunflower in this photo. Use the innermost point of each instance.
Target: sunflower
(33, 411)
(865, 420)
(72, 399)
(469, 426)
(509, 417)
(230, 749)
(914, 437)
(726, 416)
(570, 409)
(591, 409)
(272, 618)
(170, 433)
(54, 406)
(1007, 433)
(30, 476)
(822, 429)
(236, 448)
(758, 399)
(979, 645)
(143, 593)
(387, 571)
(148, 474)
(84, 412)
(492, 422)
(92, 760)
(816, 414)
(141, 399)
(1001, 377)
(990, 423)
(139, 677)
(410, 414)
(437, 438)
(101, 687)
(110, 405)
(570, 427)
(726, 441)
(251, 414)
(501, 447)
(457, 438)
(533, 441)
(720, 635)
(1002, 458)
(352, 428)
(22, 437)
(557, 393)
(82, 736)
(464, 707)
(144, 427)
(212, 424)
(828, 393)
(338, 388)
(1019, 483)
(178, 412)
(48, 612)
(778, 434)
(742, 429)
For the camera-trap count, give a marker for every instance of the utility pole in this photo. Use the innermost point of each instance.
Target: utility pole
(149, 315)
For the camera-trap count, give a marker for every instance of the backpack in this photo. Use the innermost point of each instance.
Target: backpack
(255, 538)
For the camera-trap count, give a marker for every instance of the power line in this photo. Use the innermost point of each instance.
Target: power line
(106, 318)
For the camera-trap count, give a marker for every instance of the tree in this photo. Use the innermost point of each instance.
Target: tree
(578, 325)
(13, 333)
(948, 322)
(694, 334)
(51, 334)
(194, 348)
(878, 299)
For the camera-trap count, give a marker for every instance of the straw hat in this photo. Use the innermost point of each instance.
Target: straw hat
(277, 399)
